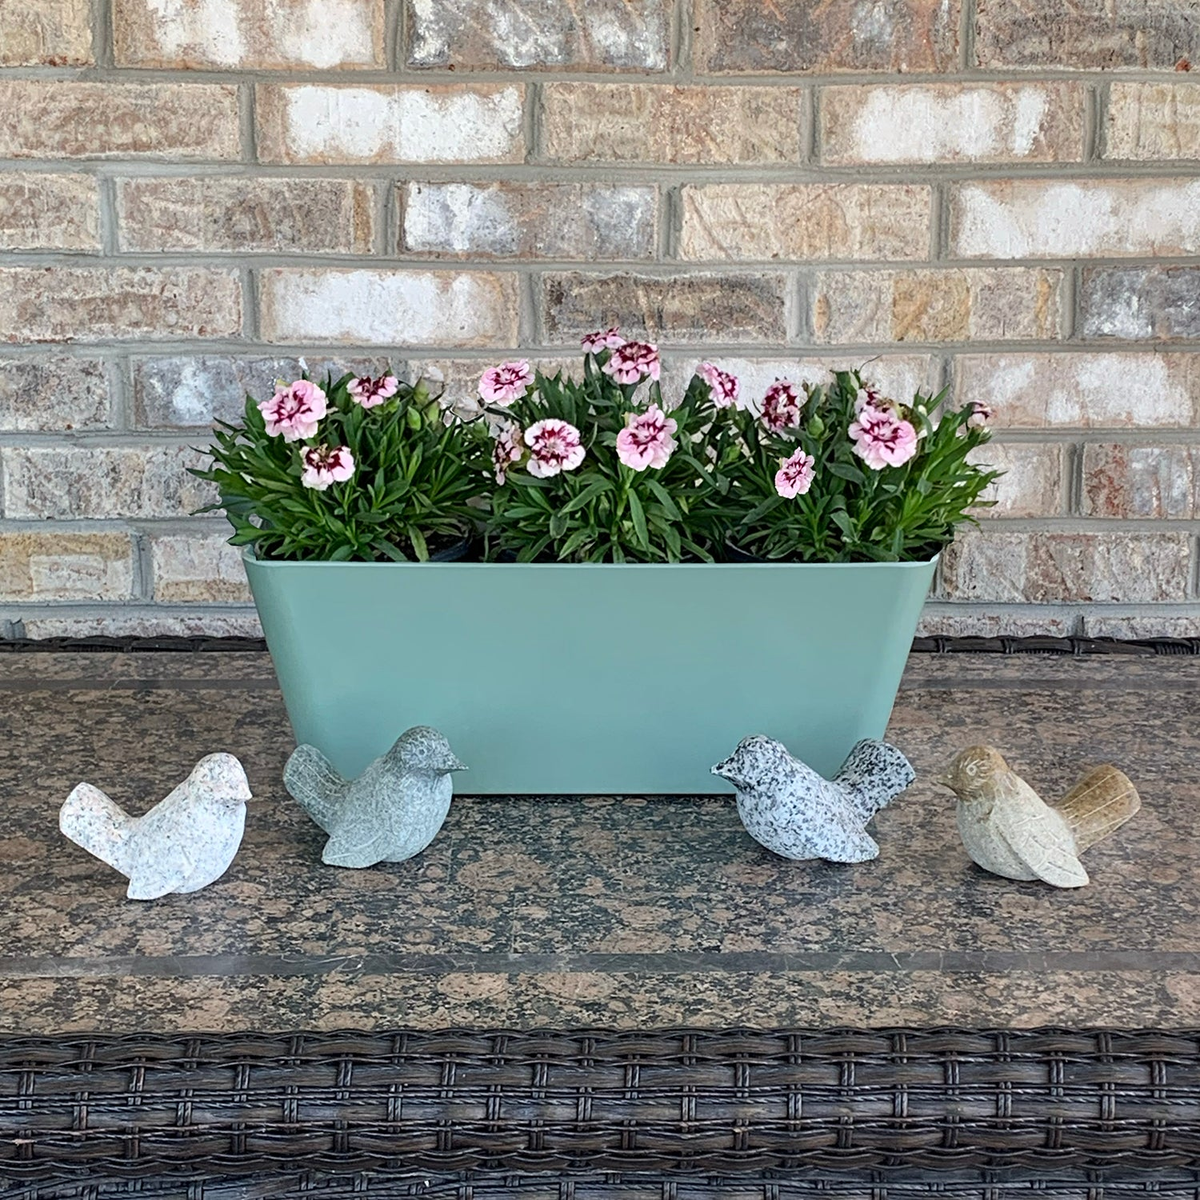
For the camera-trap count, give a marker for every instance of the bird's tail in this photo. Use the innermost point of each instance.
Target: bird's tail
(100, 825)
(309, 776)
(1100, 802)
(874, 774)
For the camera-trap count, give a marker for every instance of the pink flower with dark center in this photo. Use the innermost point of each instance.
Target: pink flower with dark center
(795, 475)
(507, 449)
(866, 395)
(294, 410)
(603, 339)
(981, 414)
(554, 446)
(369, 392)
(781, 406)
(506, 383)
(324, 465)
(882, 439)
(646, 440)
(723, 387)
(631, 362)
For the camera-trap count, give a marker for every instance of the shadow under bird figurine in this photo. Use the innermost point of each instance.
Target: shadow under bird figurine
(1009, 830)
(182, 844)
(392, 811)
(787, 807)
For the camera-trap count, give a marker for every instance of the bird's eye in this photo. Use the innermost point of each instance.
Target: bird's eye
(972, 769)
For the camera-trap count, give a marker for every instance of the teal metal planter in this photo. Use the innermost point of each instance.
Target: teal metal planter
(553, 678)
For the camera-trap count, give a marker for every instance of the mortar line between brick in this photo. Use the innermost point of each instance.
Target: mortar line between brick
(247, 119)
(966, 39)
(939, 227)
(670, 223)
(1073, 478)
(531, 124)
(251, 317)
(683, 18)
(143, 566)
(391, 219)
(1195, 568)
(109, 231)
(810, 140)
(117, 374)
(529, 318)
(1070, 303)
(1093, 122)
(102, 34)
(395, 35)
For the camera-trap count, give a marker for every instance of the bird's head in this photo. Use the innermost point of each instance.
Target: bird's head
(756, 762)
(222, 775)
(424, 749)
(973, 772)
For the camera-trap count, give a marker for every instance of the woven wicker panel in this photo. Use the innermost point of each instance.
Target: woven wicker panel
(732, 1103)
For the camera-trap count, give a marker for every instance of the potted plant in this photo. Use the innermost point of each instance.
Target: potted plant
(652, 581)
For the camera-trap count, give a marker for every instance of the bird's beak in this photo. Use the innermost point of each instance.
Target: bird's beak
(456, 764)
(943, 781)
(720, 769)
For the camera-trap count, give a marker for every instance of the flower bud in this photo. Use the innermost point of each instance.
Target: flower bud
(412, 417)
(816, 426)
(420, 392)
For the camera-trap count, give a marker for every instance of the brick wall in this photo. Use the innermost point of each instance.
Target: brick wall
(1004, 198)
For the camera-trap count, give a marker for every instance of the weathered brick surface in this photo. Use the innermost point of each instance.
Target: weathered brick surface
(657, 123)
(763, 35)
(1153, 121)
(1010, 567)
(1083, 391)
(1141, 302)
(49, 212)
(678, 308)
(994, 621)
(435, 308)
(314, 216)
(805, 221)
(600, 35)
(53, 393)
(529, 220)
(148, 480)
(953, 122)
(1086, 34)
(57, 304)
(1030, 219)
(163, 623)
(250, 33)
(45, 32)
(68, 119)
(1003, 304)
(66, 565)
(1032, 483)
(197, 567)
(1141, 481)
(313, 123)
(1159, 625)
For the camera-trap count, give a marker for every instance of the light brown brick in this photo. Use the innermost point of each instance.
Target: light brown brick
(694, 307)
(45, 32)
(1086, 34)
(311, 216)
(255, 34)
(57, 304)
(49, 212)
(1158, 482)
(1083, 391)
(601, 35)
(197, 568)
(602, 122)
(736, 36)
(999, 304)
(434, 123)
(66, 565)
(70, 119)
(1164, 623)
(435, 308)
(1010, 567)
(146, 623)
(953, 122)
(1150, 121)
(148, 480)
(805, 221)
(1075, 219)
(529, 220)
(1032, 483)
(959, 620)
(53, 393)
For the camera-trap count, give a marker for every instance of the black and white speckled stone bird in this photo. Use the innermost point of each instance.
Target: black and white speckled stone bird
(787, 807)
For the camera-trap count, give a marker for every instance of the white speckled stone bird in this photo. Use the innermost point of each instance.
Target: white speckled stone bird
(182, 844)
(787, 807)
(392, 811)
(1009, 830)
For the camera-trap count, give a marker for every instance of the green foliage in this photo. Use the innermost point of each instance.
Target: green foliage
(416, 487)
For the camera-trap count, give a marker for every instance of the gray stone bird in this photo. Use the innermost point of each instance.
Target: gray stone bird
(182, 844)
(787, 807)
(392, 811)
(1009, 830)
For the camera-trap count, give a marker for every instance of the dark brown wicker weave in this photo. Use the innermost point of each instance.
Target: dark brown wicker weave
(740, 1114)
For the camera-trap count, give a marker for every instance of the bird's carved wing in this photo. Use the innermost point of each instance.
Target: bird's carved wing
(842, 839)
(358, 843)
(1040, 840)
(172, 866)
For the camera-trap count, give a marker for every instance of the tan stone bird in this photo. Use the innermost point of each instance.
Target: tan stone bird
(1008, 829)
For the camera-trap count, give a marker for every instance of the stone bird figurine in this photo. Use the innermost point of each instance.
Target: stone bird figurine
(392, 811)
(1009, 830)
(182, 844)
(793, 811)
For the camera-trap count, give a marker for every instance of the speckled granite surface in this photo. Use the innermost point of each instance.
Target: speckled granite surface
(621, 913)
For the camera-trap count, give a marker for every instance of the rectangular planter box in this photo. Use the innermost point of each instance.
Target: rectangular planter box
(601, 679)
